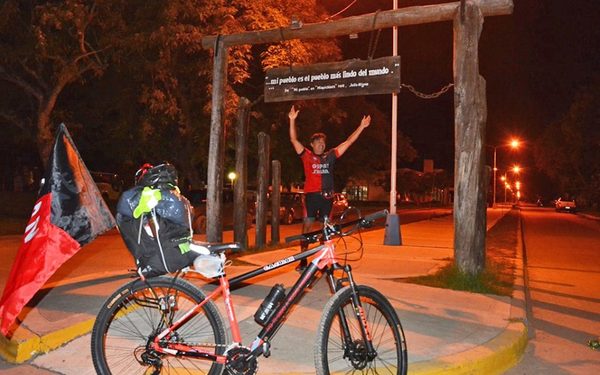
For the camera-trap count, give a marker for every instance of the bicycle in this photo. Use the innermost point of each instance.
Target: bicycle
(168, 325)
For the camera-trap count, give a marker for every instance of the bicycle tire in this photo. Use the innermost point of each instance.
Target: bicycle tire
(332, 356)
(131, 316)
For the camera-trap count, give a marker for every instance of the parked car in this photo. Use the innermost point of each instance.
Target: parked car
(291, 207)
(197, 198)
(565, 205)
(109, 184)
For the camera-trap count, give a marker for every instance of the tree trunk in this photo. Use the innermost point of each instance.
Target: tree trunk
(470, 120)
(240, 200)
(214, 193)
(275, 200)
(262, 187)
(44, 137)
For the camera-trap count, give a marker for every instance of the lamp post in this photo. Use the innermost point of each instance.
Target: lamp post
(516, 170)
(392, 225)
(514, 144)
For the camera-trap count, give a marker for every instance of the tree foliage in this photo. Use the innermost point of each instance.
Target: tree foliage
(131, 77)
(568, 151)
(45, 47)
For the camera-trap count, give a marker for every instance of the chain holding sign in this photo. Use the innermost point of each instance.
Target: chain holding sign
(330, 80)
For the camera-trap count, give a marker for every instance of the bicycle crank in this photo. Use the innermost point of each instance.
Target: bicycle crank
(240, 361)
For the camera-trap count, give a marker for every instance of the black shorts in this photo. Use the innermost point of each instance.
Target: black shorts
(316, 205)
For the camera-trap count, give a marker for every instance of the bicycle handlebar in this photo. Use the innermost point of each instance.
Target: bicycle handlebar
(363, 222)
(376, 215)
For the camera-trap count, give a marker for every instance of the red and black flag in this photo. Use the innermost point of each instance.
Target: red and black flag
(69, 213)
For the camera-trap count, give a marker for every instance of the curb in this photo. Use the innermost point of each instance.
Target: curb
(494, 357)
(26, 344)
(589, 217)
(23, 349)
(500, 353)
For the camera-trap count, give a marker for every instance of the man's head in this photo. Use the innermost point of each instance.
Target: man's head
(318, 143)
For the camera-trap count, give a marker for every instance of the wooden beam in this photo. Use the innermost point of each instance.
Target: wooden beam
(385, 19)
(470, 115)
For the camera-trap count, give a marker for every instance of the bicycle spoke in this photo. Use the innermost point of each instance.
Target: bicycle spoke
(133, 317)
(336, 354)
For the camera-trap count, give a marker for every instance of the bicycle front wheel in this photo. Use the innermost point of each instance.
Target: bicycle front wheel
(132, 317)
(341, 347)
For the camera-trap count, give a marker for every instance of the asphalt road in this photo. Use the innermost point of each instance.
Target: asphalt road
(563, 272)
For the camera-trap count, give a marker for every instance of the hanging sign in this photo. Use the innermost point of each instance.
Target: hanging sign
(330, 80)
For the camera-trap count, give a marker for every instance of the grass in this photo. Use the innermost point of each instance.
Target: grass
(498, 274)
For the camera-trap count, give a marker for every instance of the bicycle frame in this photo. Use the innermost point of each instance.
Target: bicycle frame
(324, 261)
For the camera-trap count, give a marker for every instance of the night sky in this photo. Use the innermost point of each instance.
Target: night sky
(534, 61)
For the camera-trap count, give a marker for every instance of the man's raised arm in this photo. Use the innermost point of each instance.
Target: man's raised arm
(293, 135)
(342, 147)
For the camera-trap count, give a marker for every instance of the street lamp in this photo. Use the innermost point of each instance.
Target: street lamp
(392, 225)
(516, 184)
(232, 176)
(514, 144)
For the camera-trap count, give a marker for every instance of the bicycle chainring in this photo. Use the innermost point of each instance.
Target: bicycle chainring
(239, 362)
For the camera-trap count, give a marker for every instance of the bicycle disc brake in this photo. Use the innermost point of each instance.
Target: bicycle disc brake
(356, 352)
(239, 361)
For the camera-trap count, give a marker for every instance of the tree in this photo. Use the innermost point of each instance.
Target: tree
(569, 150)
(130, 76)
(45, 47)
(174, 73)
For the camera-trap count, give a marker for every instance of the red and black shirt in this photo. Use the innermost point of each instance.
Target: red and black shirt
(318, 170)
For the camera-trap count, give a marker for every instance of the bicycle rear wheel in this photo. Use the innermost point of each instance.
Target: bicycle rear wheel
(137, 312)
(339, 353)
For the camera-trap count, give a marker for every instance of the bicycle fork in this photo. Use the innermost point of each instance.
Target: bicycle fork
(350, 345)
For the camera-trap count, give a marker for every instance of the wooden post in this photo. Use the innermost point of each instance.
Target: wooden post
(214, 180)
(262, 187)
(470, 120)
(275, 200)
(240, 200)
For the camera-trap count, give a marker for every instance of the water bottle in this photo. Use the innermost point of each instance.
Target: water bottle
(269, 305)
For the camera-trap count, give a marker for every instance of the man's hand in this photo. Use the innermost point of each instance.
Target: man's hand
(365, 122)
(293, 113)
(293, 137)
(342, 147)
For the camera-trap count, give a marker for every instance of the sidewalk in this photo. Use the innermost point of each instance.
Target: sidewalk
(447, 331)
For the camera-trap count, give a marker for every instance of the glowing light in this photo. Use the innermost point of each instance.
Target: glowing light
(232, 176)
